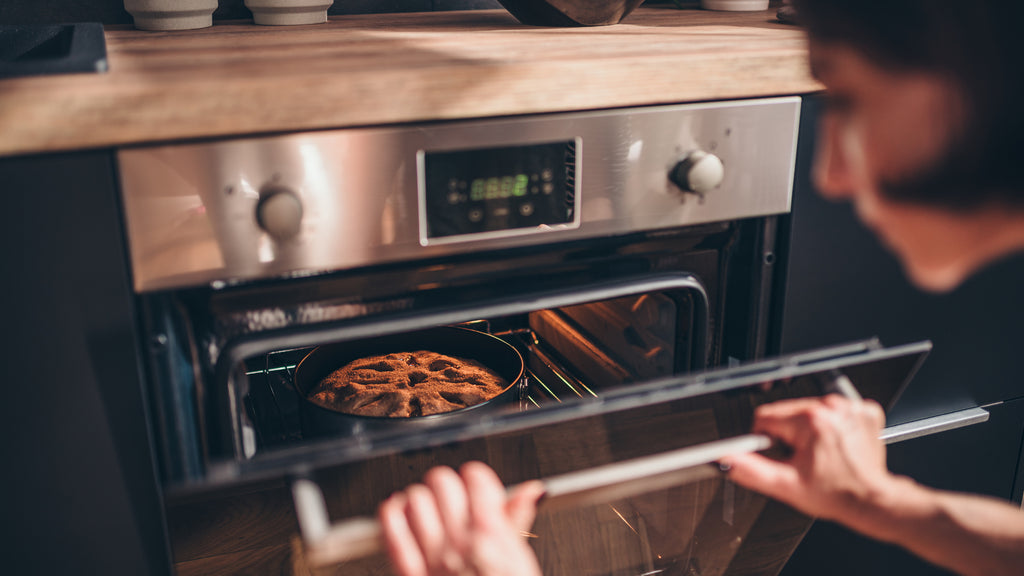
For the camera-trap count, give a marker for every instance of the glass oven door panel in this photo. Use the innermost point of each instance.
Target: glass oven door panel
(685, 520)
(620, 424)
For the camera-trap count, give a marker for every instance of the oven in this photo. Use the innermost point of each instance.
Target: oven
(628, 260)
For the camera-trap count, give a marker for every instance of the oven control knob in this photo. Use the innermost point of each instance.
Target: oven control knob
(279, 212)
(700, 173)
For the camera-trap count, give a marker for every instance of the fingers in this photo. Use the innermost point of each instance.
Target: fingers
(521, 506)
(426, 524)
(767, 476)
(869, 410)
(786, 421)
(834, 455)
(442, 525)
(452, 504)
(486, 495)
(402, 546)
(452, 501)
(790, 420)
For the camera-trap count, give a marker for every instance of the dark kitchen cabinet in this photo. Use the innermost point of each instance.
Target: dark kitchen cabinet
(842, 285)
(79, 478)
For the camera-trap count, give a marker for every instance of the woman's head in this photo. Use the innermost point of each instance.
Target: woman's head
(923, 128)
(978, 48)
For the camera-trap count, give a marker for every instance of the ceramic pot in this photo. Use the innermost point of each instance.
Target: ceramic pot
(288, 12)
(171, 14)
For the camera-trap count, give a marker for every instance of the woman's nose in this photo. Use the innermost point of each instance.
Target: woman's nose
(832, 175)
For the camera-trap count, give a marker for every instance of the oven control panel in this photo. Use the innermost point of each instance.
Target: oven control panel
(482, 193)
(301, 204)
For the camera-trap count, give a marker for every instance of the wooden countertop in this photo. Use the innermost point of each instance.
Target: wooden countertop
(237, 78)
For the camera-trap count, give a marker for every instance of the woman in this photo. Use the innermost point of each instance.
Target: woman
(923, 134)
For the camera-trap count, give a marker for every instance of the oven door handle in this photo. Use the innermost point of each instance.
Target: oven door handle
(353, 538)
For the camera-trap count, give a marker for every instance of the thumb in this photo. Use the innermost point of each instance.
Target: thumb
(521, 505)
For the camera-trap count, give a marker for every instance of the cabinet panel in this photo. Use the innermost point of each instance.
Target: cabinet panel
(76, 453)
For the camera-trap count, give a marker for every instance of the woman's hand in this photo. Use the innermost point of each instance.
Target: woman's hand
(836, 464)
(461, 524)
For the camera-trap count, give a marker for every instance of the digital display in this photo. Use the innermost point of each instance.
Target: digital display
(494, 190)
(497, 187)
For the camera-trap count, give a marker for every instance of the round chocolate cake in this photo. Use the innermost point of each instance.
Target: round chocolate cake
(404, 384)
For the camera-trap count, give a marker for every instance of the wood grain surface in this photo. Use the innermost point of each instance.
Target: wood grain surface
(236, 78)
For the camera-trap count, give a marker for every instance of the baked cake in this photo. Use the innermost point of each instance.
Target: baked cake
(404, 384)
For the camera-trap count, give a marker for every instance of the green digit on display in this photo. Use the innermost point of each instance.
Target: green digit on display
(493, 188)
(506, 186)
(476, 189)
(522, 181)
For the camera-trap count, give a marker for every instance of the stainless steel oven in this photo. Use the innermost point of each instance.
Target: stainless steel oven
(629, 257)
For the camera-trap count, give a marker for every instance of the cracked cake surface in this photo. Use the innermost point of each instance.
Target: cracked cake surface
(404, 384)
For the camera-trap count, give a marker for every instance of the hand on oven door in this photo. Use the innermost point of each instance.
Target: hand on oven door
(461, 524)
(835, 463)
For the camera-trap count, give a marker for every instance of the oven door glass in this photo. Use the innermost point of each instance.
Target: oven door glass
(633, 487)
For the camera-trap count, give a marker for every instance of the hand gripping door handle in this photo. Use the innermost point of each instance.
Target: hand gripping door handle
(353, 538)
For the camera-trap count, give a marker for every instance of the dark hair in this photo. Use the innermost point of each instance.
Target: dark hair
(980, 45)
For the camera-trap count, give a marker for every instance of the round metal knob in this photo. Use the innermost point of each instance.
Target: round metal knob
(700, 172)
(279, 213)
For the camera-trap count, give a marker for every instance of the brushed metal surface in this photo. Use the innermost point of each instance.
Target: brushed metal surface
(934, 425)
(191, 208)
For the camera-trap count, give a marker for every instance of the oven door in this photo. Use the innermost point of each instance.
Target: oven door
(632, 484)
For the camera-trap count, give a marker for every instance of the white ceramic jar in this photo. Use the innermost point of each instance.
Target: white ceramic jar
(288, 12)
(171, 14)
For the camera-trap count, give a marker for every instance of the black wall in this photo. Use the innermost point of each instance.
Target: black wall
(112, 11)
